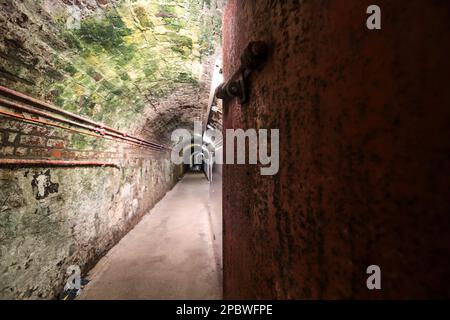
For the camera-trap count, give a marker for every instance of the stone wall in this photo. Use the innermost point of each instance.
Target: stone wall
(136, 66)
(117, 62)
(364, 151)
(52, 217)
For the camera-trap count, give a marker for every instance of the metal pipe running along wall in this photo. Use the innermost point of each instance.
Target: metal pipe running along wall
(21, 108)
(59, 163)
(76, 119)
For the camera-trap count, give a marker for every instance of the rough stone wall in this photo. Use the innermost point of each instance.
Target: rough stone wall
(122, 66)
(52, 217)
(114, 64)
(364, 151)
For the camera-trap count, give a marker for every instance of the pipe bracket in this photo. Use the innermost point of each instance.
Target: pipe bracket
(252, 59)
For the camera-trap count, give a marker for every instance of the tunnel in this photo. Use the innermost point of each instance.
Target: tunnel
(224, 149)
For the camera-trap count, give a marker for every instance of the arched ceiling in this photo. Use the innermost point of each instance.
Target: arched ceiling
(137, 65)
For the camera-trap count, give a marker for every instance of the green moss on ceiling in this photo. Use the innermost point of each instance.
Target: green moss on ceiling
(117, 58)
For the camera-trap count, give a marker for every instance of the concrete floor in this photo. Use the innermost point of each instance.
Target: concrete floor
(170, 254)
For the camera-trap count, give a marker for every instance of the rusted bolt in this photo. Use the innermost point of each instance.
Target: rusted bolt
(229, 89)
(233, 89)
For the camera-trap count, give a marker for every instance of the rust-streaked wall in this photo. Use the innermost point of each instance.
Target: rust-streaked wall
(364, 124)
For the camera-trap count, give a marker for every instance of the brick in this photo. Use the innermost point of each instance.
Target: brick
(40, 130)
(56, 154)
(21, 151)
(66, 154)
(112, 150)
(12, 137)
(6, 151)
(39, 152)
(32, 141)
(25, 128)
(56, 143)
(16, 126)
(65, 135)
(56, 133)
(79, 155)
(7, 124)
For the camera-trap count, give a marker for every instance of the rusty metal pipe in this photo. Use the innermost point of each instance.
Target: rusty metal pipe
(38, 121)
(37, 112)
(90, 128)
(49, 107)
(59, 163)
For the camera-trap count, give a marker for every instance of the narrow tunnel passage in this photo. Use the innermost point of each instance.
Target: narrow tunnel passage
(95, 183)
(90, 94)
(170, 254)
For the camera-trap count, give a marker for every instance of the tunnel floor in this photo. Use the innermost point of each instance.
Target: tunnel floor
(168, 255)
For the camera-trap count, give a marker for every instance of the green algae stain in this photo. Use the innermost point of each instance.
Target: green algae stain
(131, 51)
(107, 33)
(143, 18)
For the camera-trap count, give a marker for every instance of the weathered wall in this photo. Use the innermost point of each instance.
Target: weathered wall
(85, 214)
(137, 66)
(117, 63)
(51, 218)
(364, 156)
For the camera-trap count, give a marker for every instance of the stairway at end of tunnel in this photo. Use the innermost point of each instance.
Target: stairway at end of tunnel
(170, 254)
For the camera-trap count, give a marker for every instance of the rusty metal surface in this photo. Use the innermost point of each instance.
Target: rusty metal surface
(364, 152)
